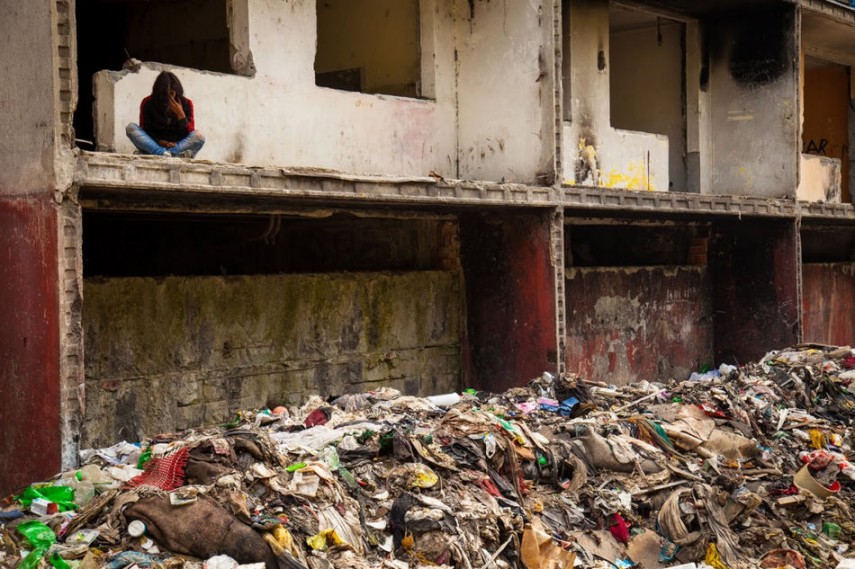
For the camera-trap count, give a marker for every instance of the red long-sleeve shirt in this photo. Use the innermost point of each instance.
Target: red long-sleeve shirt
(162, 126)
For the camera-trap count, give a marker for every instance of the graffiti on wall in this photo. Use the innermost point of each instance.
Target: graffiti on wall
(822, 147)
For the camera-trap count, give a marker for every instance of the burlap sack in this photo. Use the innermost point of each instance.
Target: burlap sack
(201, 529)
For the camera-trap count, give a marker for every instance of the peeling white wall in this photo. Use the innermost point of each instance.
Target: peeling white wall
(280, 117)
(819, 179)
(594, 153)
(490, 116)
(506, 89)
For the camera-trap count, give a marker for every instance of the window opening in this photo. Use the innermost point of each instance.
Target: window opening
(828, 245)
(826, 129)
(647, 80)
(187, 33)
(369, 46)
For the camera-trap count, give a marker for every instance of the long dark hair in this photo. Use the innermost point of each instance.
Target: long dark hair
(160, 89)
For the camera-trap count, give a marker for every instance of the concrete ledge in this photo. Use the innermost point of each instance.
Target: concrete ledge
(104, 171)
(624, 200)
(97, 173)
(835, 10)
(827, 210)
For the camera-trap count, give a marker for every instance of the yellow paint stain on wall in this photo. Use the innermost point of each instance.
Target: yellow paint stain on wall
(746, 175)
(588, 159)
(635, 178)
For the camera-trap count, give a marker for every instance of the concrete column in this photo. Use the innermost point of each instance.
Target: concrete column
(756, 302)
(29, 337)
(509, 272)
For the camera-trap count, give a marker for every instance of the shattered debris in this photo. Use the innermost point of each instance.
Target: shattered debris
(734, 468)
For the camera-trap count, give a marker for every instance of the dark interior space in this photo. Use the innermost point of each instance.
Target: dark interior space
(620, 245)
(509, 297)
(755, 300)
(187, 33)
(828, 244)
(149, 244)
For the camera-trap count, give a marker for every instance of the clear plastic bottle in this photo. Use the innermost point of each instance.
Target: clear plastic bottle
(84, 491)
(92, 473)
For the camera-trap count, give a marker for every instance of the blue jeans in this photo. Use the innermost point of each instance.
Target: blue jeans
(190, 144)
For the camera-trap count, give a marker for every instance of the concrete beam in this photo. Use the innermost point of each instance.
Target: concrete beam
(115, 176)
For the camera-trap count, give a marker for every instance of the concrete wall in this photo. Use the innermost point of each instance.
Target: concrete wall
(646, 86)
(177, 352)
(754, 103)
(742, 113)
(496, 56)
(30, 404)
(594, 153)
(28, 106)
(629, 324)
(828, 297)
(280, 117)
(698, 131)
(506, 90)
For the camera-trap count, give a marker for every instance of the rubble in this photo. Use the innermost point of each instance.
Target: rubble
(733, 468)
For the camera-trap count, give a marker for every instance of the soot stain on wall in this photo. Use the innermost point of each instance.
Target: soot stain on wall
(760, 53)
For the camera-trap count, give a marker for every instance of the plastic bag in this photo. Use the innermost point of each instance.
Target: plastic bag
(58, 562)
(41, 537)
(144, 458)
(62, 496)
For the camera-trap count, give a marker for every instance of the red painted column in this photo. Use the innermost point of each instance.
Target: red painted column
(754, 268)
(828, 297)
(510, 297)
(29, 342)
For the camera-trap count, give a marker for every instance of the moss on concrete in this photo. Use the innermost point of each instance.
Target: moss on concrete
(168, 353)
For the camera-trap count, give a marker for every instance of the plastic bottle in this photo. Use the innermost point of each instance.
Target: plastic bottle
(92, 473)
(84, 491)
(331, 458)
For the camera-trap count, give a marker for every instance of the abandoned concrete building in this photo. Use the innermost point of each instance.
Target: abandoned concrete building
(422, 194)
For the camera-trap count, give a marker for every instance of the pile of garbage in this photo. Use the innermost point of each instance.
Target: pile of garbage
(731, 468)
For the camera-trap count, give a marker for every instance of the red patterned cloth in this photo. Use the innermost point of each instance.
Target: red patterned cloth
(166, 473)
